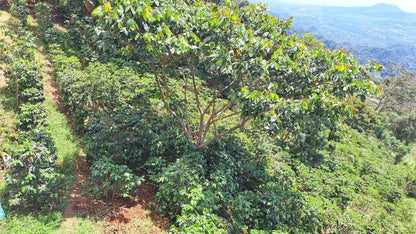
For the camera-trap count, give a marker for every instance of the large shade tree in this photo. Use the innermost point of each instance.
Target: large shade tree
(241, 61)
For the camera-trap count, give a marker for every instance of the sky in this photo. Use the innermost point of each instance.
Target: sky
(405, 5)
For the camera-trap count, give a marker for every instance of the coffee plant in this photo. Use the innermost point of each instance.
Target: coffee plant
(19, 9)
(43, 16)
(33, 179)
(112, 180)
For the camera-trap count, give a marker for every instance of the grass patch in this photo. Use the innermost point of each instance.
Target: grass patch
(7, 116)
(5, 18)
(2, 182)
(43, 223)
(7, 106)
(142, 225)
(410, 204)
(136, 225)
(84, 226)
(66, 143)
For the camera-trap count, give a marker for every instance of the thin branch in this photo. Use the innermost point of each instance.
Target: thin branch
(380, 102)
(215, 137)
(208, 123)
(228, 116)
(286, 136)
(186, 105)
(165, 80)
(241, 78)
(172, 112)
(191, 68)
(223, 108)
(216, 95)
(215, 125)
(198, 104)
(213, 121)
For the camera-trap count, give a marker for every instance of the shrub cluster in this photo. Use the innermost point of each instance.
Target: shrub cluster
(19, 9)
(33, 178)
(43, 15)
(226, 188)
(405, 129)
(313, 182)
(234, 184)
(100, 99)
(223, 187)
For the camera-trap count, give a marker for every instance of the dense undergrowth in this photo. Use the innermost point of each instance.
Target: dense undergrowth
(37, 147)
(32, 179)
(360, 178)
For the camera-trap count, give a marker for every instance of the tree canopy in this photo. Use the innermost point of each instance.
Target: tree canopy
(253, 70)
(311, 42)
(398, 93)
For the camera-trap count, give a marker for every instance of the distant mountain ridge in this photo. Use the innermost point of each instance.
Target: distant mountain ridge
(382, 32)
(386, 7)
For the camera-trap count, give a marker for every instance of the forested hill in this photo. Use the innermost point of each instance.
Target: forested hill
(383, 32)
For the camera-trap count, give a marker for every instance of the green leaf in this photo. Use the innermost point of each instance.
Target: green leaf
(355, 70)
(165, 30)
(98, 12)
(147, 37)
(115, 13)
(168, 13)
(139, 11)
(132, 25)
(219, 62)
(120, 9)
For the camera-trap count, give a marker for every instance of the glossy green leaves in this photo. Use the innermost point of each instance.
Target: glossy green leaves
(242, 54)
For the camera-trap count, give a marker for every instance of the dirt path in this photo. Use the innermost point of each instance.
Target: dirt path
(76, 199)
(111, 215)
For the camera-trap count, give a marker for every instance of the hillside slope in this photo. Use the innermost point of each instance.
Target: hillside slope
(383, 32)
(348, 174)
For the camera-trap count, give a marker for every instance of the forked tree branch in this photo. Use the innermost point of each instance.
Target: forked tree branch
(217, 94)
(216, 136)
(204, 127)
(171, 111)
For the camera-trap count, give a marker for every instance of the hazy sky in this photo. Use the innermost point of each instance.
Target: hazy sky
(406, 5)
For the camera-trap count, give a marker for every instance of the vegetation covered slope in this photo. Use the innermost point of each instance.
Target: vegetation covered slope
(389, 24)
(327, 161)
(383, 32)
(49, 217)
